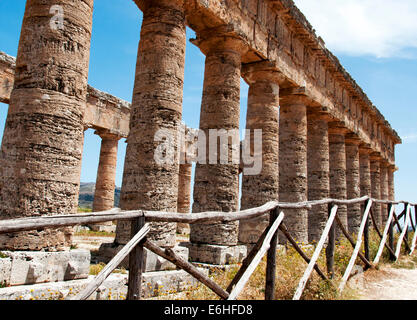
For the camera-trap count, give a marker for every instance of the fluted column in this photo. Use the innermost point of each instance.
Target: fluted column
(216, 185)
(391, 187)
(43, 136)
(384, 190)
(365, 173)
(353, 187)
(184, 194)
(337, 156)
(365, 170)
(376, 186)
(262, 114)
(106, 172)
(318, 171)
(293, 162)
(150, 178)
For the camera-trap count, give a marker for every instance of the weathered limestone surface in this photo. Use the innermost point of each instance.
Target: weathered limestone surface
(216, 186)
(384, 191)
(102, 112)
(278, 31)
(7, 67)
(293, 163)
(375, 166)
(318, 171)
(106, 172)
(156, 105)
(263, 114)
(184, 194)
(216, 254)
(337, 159)
(42, 144)
(391, 189)
(29, 267)
(353, 187)
(365, 170)
(106, 177)
(152, 262)
(106, 112)
(154, 284)
(43, 137)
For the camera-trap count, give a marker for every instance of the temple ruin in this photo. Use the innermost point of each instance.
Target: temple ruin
(321, 135)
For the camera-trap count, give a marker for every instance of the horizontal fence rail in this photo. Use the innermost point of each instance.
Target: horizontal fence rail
(267, 243)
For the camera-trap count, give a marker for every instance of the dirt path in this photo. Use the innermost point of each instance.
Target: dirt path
(388, 283)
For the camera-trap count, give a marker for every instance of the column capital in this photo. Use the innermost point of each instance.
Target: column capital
(220, 39)
(145, 4)
(262, 71)
(384, 163)
(375, 156)
(365, 148)
(392, 168)
(352, 139)
(316, 114)
(337, 128)
(293, 99)
(107, 134)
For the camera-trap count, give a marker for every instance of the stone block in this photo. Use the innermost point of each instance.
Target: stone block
(5, 268)
(161, 283)
(29, 267)
(215, 254)
(153, 262)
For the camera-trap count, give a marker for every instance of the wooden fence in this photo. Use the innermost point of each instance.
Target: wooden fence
(267, 243)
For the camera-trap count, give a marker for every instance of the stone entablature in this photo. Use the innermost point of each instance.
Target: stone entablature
(7, 66)
(103, 111)
(277, 31)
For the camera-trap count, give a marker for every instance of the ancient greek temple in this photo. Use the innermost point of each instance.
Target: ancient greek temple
(321, 135)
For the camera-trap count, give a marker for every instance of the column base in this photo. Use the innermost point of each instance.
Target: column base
(215, 254)
(31, 267)
(103, 227)
(152, 261)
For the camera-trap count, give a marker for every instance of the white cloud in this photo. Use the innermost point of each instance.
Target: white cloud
(378, 28)
(411, 138)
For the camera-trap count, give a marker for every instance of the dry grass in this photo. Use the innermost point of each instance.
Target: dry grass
(290, 269)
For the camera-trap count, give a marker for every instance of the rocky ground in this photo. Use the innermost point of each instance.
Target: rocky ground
(390, 282)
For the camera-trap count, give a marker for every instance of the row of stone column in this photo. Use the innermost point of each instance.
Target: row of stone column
(317, 159)
(41, 153)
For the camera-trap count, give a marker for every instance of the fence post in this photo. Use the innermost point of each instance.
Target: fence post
(405, 219)
(134, 289)
(330, 246)
(271, 260)
(391, 235)
(415, 217)
(366, 235)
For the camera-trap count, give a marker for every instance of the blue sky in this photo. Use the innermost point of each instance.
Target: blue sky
(376, 44)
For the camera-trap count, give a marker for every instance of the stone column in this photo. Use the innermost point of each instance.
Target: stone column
(337, 156)
(365, 173)
(216, 185)
(260, 187)
(43, 137)
(318, 171)
(184, 194)
(353, 187)
(375, 159)
(384, 190)
(106, 176)
(391, 188)
(365, 170)
(293, 162)
(150, 177)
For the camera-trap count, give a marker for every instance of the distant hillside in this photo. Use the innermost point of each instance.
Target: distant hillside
(86, 197)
